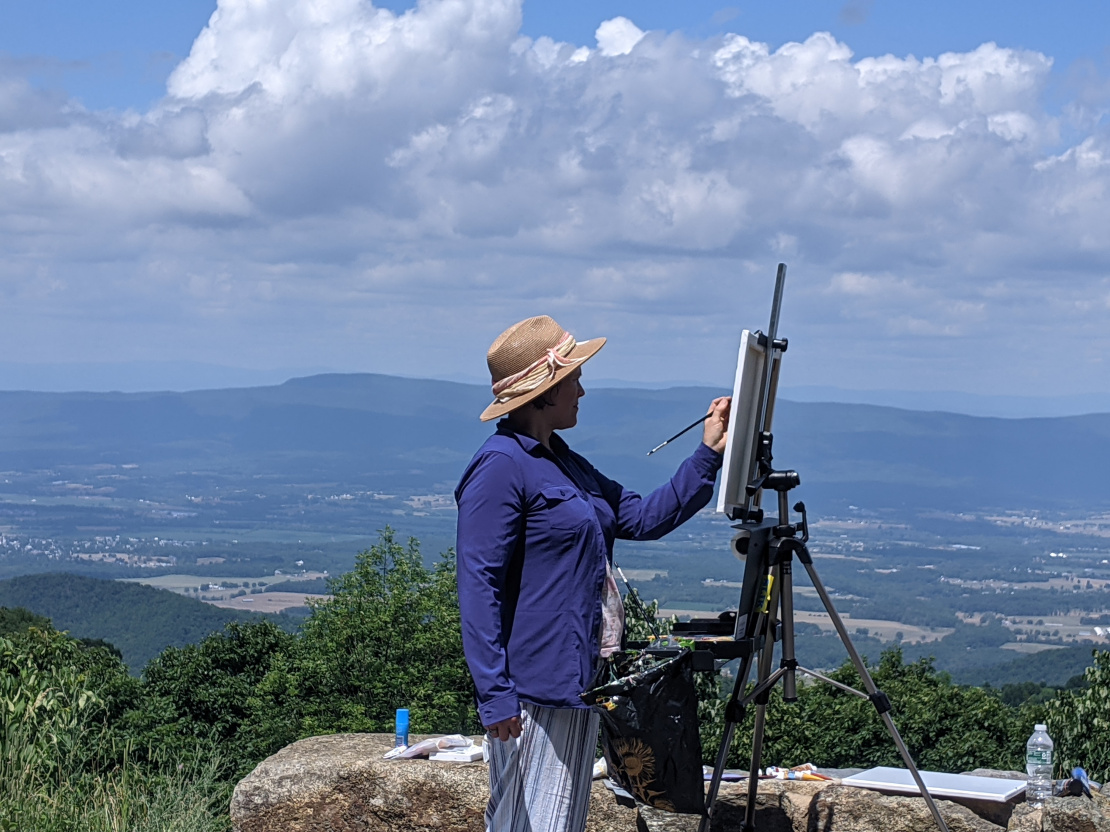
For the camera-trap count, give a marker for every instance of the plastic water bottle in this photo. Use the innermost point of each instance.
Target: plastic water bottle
(401, 738)
(1038, 765)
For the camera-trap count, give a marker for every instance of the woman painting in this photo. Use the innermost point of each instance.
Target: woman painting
(540, 608)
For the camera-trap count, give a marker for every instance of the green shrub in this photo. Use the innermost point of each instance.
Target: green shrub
(63, 766)
(1079, 723)
(45, 701)
(125, 797)
(389, 637)
(945, 727)
(204, 695)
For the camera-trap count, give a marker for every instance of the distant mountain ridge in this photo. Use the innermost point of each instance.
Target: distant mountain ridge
(949, 401)
(417, 433)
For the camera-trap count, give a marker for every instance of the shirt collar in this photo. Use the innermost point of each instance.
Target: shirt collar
(532, 445)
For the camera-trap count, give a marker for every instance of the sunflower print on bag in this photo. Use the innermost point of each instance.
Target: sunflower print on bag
(637, 761)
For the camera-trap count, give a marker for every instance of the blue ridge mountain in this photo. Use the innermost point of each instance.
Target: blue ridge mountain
(412, 432)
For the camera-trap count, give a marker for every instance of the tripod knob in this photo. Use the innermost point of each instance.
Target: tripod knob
(800, 507)
(740, 542)
(782, 480)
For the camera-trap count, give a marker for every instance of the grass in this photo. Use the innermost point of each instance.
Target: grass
(65, 791)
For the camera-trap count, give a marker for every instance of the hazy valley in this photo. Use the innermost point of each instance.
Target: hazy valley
(954, 535)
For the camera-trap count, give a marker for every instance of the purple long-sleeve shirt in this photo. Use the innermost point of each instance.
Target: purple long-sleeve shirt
(536, 527)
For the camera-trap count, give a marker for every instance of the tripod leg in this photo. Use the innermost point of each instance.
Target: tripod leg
(760, 622)
(789, 662)
(877, 697)
(718, 772)
(734, 714)
(757, 756)
(766, 656)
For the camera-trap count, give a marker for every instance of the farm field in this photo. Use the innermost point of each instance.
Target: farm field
(181, 583)
(1030, 647)
(877, 628)
(267, 601)
(248, 594)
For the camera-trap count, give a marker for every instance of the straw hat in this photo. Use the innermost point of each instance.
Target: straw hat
(528, 359)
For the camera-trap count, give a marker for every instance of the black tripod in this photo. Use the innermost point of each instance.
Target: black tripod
(766, 614)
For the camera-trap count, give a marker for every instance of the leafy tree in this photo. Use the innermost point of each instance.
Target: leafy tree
(18, 619)
(45, 697)
(1079, 722)
(205, 693)
(388, 638)
(90, 643)
(641, 621)
(945, 727)
(1016, 694)
(63, 762)
(44, 654)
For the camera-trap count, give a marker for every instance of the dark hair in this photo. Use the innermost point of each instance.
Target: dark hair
(540, 402)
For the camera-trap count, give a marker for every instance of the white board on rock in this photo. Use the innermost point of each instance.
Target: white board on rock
(939, 784)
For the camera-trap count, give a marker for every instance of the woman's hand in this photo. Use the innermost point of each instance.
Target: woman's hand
(504, 729)
(715, 432)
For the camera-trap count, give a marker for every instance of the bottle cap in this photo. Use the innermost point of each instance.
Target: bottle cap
(402, 720)
(1040, 727)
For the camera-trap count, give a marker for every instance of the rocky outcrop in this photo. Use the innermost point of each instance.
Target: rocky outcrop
(341, 784)
(788, 806)
(1078, 814)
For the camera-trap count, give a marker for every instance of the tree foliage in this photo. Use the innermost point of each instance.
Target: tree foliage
(945, 727)
(46, 695)
(205, 694)
(389, 637)
(64, 763)
(1079, 723)
(19, 619)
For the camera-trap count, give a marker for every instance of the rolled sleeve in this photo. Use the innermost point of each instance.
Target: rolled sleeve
(490, 501)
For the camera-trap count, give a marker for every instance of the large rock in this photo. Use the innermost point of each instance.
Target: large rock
(1077, 814)
(851, 809)
(790, 806)
(341, 784)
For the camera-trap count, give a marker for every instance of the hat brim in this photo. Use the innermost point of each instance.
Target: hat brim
(582, 351)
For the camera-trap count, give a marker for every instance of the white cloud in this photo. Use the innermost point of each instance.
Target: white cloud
(618, 36)
(329, 179)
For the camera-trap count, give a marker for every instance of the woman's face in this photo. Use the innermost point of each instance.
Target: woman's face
(563, 411)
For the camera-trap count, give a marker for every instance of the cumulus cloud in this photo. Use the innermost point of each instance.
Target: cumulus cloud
(618, 36)
(327, 178)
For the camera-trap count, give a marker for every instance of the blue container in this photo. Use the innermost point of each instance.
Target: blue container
(402, 733)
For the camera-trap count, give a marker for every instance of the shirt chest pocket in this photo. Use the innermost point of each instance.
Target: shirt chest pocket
(561, 507)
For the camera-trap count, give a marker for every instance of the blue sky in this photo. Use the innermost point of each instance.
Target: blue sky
(325, 184)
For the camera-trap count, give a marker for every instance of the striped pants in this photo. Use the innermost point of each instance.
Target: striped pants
(540, 782)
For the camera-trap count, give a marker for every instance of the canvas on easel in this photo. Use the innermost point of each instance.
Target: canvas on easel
(740, 455)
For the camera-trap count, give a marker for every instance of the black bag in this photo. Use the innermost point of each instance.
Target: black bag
(649, 731)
